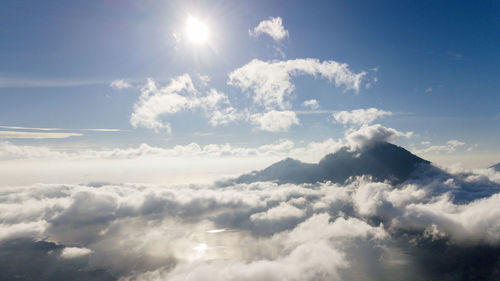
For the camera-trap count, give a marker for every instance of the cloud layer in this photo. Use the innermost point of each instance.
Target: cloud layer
(262, 231)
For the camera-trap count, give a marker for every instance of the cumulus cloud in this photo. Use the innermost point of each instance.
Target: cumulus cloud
(312, 104)
(360, 116)
(368, 135)
(74, 252)
(179, 95)
(272, 27)
(268, 83)
(271, 85)
(275, 121)
(120, 84)
(282, 211)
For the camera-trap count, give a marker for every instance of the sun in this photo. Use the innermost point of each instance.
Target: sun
(196, 30)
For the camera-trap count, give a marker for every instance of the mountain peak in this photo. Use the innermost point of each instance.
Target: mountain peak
(496, 167)
(382, 161)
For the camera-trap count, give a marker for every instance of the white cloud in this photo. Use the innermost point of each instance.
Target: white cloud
(272, 27)
(313, 104)
(450, 146)
(275, 121)
(271, 81)
(155, 102)
(282, 211)
(428, 90)
(120, 84)
(282, 148)
(299, 232)
(179, 95)
(36, 135)
(314, 151)
(369, 135)
(74, 252)
(360, 116)
(473, 147)
(56, 129)
(29, 128)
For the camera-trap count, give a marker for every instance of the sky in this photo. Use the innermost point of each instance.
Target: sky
(132, 133)
(165, 91)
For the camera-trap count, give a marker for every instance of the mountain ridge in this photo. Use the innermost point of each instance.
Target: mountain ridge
(496, 167)
(383, 161)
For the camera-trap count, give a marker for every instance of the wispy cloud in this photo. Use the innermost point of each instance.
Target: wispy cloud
(19, 82)
(36, 135)
(57, 129)
(360, 116)
(455, 55)
(102, 130)
(28, 128)
(450, 146)
(120, 84)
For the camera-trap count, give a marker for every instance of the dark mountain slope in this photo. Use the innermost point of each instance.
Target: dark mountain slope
(496, 167)
(382, 161)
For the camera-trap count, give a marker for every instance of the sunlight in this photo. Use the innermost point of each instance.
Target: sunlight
(196, 30)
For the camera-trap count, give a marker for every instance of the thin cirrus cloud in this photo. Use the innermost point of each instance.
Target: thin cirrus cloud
(272, 27)
(36, 135)
(449, 147)
(25, 82)
(19, 132)
(102, 130)
(58, 129)
(29, 128)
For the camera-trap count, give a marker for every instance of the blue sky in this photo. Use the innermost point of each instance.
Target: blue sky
(433, 65)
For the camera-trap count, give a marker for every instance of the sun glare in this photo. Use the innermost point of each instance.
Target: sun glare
(196, 30)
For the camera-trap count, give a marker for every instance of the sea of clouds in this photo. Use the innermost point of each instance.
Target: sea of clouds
(444, 224)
